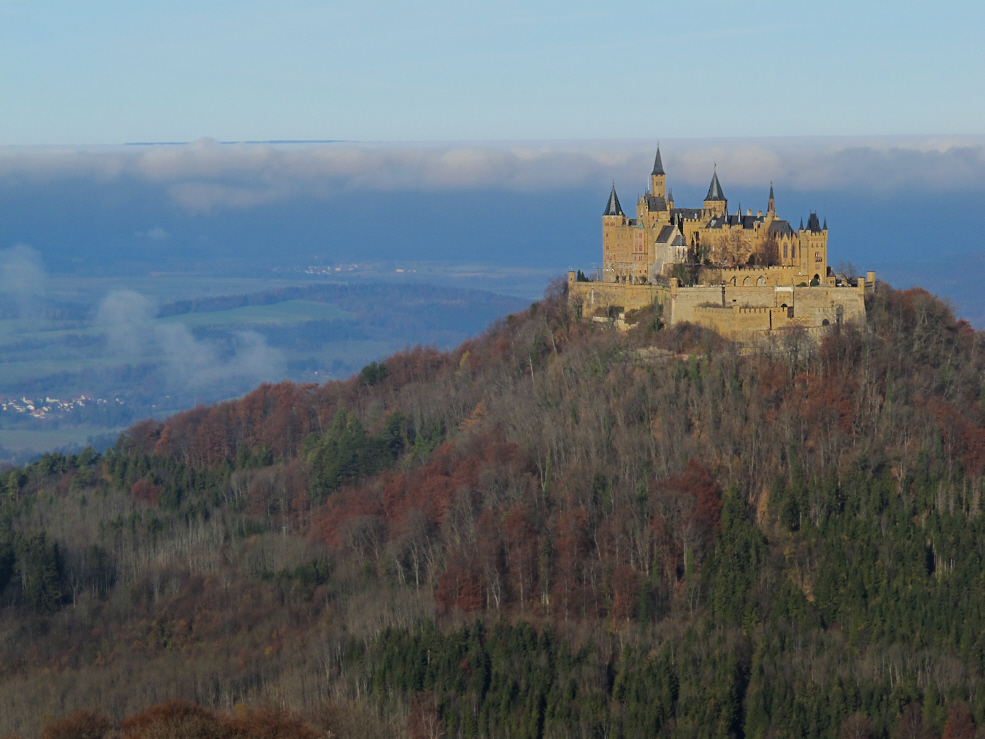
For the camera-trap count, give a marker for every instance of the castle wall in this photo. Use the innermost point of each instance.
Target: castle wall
(592, 295)
(739, 313)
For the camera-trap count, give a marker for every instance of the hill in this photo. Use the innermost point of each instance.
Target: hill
(553, 530)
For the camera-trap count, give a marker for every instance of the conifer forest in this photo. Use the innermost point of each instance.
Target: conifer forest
(554, 530)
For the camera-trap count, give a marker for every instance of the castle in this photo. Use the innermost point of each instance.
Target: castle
(739, 274)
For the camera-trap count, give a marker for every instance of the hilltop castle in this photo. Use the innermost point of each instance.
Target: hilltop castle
(742, 275)
(640, 250)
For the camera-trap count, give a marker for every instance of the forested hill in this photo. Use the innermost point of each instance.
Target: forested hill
(556, 530)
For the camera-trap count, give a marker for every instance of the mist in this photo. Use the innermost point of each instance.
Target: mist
(187, 364)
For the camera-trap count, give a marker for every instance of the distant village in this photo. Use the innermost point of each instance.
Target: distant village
(48, 407)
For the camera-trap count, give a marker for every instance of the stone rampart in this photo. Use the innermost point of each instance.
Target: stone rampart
(593, 295)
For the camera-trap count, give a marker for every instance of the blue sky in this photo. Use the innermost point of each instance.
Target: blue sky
(104, 72)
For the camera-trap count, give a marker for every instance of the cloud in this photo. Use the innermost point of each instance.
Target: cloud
(23, 279)
(127, 317)
(205, 175)
(196, 365)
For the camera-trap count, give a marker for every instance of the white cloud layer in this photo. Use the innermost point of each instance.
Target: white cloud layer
(206, 175)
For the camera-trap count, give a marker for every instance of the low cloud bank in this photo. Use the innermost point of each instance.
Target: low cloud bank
(205, 175)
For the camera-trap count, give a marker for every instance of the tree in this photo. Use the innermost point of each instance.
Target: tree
(768, 253)
(85, 724)
(40, 565)
(730, 250)
(960, 724)
(856, 726)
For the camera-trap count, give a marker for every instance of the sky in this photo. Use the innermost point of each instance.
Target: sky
(112, 72)
(144, 134)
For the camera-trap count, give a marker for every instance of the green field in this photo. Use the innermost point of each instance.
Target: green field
(287, 313)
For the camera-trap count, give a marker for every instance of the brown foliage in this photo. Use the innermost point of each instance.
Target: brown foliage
(960, 724)
(146, 491)
(85, 724)
(267, 722)
(175, 719)
(962, 438)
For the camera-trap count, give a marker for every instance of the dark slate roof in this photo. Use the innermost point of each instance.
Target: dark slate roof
(735, 219)
(690, 214)
(613, 208)
(781, 228)
(666, 233)
(813, 224)
(658, 166)
(715, 189)
(655, 202)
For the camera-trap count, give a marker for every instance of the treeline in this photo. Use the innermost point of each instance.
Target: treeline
(554, 530)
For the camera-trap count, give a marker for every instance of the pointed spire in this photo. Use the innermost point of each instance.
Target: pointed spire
(613, 208)
(801, 223)
(825, 224)
(771, 207)
(658, 165)
(670, 195)
(715, 188)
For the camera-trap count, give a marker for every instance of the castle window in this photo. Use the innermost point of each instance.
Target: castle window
(784, 251)
(793, 251)
(817, 256)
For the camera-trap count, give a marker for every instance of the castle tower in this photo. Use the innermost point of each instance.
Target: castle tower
(613, 208)
(715, 202)
(771, 207)
(658, 178)
(616, 241)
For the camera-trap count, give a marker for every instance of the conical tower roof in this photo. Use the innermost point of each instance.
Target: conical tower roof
(658, 166)
(613, 208)
(715, 189)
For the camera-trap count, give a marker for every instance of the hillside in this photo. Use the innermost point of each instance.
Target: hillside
(555, 530)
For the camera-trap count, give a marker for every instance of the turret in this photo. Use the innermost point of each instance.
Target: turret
(658, 178)
(715, 201)
(613, 208)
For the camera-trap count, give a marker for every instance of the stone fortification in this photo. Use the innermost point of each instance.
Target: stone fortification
(755, 274)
